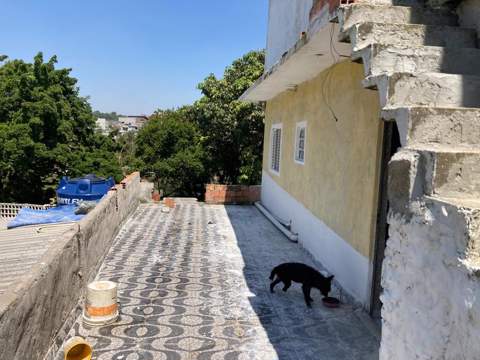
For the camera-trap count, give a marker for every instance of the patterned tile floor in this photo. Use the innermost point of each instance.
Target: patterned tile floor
(193, 284)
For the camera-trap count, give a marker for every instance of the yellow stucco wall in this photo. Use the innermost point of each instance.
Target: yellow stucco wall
(339, 181)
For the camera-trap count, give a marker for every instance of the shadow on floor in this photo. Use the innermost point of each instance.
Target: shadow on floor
(295, 331)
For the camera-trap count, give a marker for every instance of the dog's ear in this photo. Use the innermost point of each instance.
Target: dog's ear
(330, 278)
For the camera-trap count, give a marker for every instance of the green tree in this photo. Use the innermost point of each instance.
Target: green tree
(170, 147)
(233, 130)
(47, 130)
(126, 149)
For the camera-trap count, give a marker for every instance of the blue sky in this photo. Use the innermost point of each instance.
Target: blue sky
(139, 55)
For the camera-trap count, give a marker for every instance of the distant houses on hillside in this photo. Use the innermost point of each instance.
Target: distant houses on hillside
(103, 126)
(124, 124)
(132, 123)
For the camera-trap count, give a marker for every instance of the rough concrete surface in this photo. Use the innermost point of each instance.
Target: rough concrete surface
(426, 89)
(469, 14)
(351, 15)
(426, 77)
(382, 58)
(436, 171)
(22, 248)
(368, 33)
(456, 127)
(456, 174)
(193, 284)
(35, 307)
(431, 298)
(404, 185)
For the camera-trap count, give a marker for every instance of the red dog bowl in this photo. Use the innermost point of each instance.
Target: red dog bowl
(331, 302)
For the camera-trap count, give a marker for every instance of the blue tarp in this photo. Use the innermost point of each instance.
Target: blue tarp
(27, 216)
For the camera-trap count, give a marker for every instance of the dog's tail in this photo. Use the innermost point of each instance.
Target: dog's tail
(272, 274)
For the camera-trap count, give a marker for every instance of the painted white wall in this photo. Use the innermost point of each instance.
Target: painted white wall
(287, 20)
(351, 269)
(431, 299)
(102, 123)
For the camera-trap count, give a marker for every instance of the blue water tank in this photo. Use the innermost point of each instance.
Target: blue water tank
(89, 187)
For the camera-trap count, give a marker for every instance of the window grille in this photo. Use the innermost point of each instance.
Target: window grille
(300, 140)
(276, 144)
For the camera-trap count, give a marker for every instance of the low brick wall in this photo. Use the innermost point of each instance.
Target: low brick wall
(232, 194)
(34, 310)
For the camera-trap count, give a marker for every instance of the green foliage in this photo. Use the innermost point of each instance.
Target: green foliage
(46, 131)
(126, 148)
(216, 139)
(170, 147)
(233, 130)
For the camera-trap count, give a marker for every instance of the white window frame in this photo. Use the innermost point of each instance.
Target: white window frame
(300, 125)
(270, 165)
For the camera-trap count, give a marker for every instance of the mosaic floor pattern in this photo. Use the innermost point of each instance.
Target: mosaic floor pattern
(193, 284)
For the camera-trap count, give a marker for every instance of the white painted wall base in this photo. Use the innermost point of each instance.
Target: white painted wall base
(351, 269)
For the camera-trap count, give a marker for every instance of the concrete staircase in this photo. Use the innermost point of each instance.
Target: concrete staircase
(427, 73)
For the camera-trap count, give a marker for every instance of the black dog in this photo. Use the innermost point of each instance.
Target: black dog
(304, 274)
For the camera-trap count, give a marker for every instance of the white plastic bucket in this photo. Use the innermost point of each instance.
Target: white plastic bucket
(101, 306)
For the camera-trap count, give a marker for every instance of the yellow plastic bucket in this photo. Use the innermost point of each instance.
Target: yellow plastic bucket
(77, 349)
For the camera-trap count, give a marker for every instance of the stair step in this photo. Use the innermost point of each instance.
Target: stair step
(467, 204)
(459, 219)
(354, 14)
(451, 173)
(433, 183)
(426, 89)
(392, 2)
(381, 58)
(457, 127)
(368, 33)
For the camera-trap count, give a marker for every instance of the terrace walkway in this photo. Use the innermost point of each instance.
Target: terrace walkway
(193, 284)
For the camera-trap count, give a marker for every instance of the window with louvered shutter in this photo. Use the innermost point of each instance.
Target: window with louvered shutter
(300, 142)
(276, 144)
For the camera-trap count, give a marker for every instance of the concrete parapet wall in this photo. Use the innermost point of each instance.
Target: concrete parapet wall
(34, 309)
(232, 194)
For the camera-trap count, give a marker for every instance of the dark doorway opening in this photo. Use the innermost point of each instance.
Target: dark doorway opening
(391, 143)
